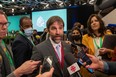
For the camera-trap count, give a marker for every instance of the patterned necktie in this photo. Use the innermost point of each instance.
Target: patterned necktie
(58, 51)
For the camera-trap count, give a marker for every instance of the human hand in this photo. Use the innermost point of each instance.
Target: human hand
(96, 63)
(46, 74)
(26, 68)
(68, 42)
(105, 50)
(102, 51)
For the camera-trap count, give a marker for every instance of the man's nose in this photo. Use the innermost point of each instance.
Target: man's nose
(57, 31)
(4, 26)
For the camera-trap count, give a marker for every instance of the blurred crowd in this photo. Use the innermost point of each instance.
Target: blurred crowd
(27, 49)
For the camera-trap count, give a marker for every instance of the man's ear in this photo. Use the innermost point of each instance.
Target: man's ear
(21, 28)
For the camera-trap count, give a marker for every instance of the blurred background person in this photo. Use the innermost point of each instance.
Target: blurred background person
(36, 37)
(44, 35)
(76, 35)
(73, 33)
(94, 39)
(76, 39)
(23, 44)
(77, 46)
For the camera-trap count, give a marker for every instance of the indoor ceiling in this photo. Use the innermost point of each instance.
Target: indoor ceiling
(26, 6)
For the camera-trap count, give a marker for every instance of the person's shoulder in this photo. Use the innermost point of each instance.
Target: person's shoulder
(42, 44)
(65, 44)
(19, 36)
(86, 35)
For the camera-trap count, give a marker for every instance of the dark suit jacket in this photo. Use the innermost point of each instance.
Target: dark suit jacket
(46, 49)
(5, 65)
(112, 68)
(22, 49)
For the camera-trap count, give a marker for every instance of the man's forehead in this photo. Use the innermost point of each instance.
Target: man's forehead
(57, 23)
(2, 18)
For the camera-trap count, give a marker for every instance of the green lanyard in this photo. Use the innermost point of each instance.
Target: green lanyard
(100, 43)
(7, 53)
(26, 37)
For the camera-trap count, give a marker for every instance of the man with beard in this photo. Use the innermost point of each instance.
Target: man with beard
(55, 26)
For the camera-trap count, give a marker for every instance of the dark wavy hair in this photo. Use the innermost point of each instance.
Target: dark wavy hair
(53, 19)
(102, 28)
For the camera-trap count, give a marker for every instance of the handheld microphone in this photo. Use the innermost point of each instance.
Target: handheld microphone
(73, 66)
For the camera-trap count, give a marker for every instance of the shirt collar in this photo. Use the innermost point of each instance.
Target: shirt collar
(53, 43)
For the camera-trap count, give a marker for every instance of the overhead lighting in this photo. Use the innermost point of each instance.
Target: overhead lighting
(12, 10)
(43, 5)
(61, 4)
(67, 3)
(1, 5)
(92, 2)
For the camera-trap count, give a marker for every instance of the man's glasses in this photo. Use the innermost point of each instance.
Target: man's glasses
(4, 24)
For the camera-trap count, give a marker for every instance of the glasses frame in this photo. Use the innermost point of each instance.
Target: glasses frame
(5, 24)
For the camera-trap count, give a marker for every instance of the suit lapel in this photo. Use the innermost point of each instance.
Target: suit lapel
(65, 51)
(52, 52)
(28, 41)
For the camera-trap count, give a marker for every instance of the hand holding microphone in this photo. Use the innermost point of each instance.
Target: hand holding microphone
(47, 64)
(46, 74)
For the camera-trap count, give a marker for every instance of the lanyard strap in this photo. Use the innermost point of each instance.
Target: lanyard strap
(7, 53)
(100, 43)
(26, 37)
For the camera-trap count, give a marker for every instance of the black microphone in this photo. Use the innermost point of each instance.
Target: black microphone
(73, 66)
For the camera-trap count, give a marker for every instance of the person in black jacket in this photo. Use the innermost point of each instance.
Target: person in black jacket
(23, 43)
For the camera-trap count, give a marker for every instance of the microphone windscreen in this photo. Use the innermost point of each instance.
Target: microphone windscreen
(69, 58)
(71, 61)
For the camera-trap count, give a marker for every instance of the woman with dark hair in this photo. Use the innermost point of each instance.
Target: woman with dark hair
(77, 47)
(94, 39)
(76, 35)
(96, 32)
(96, 27)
